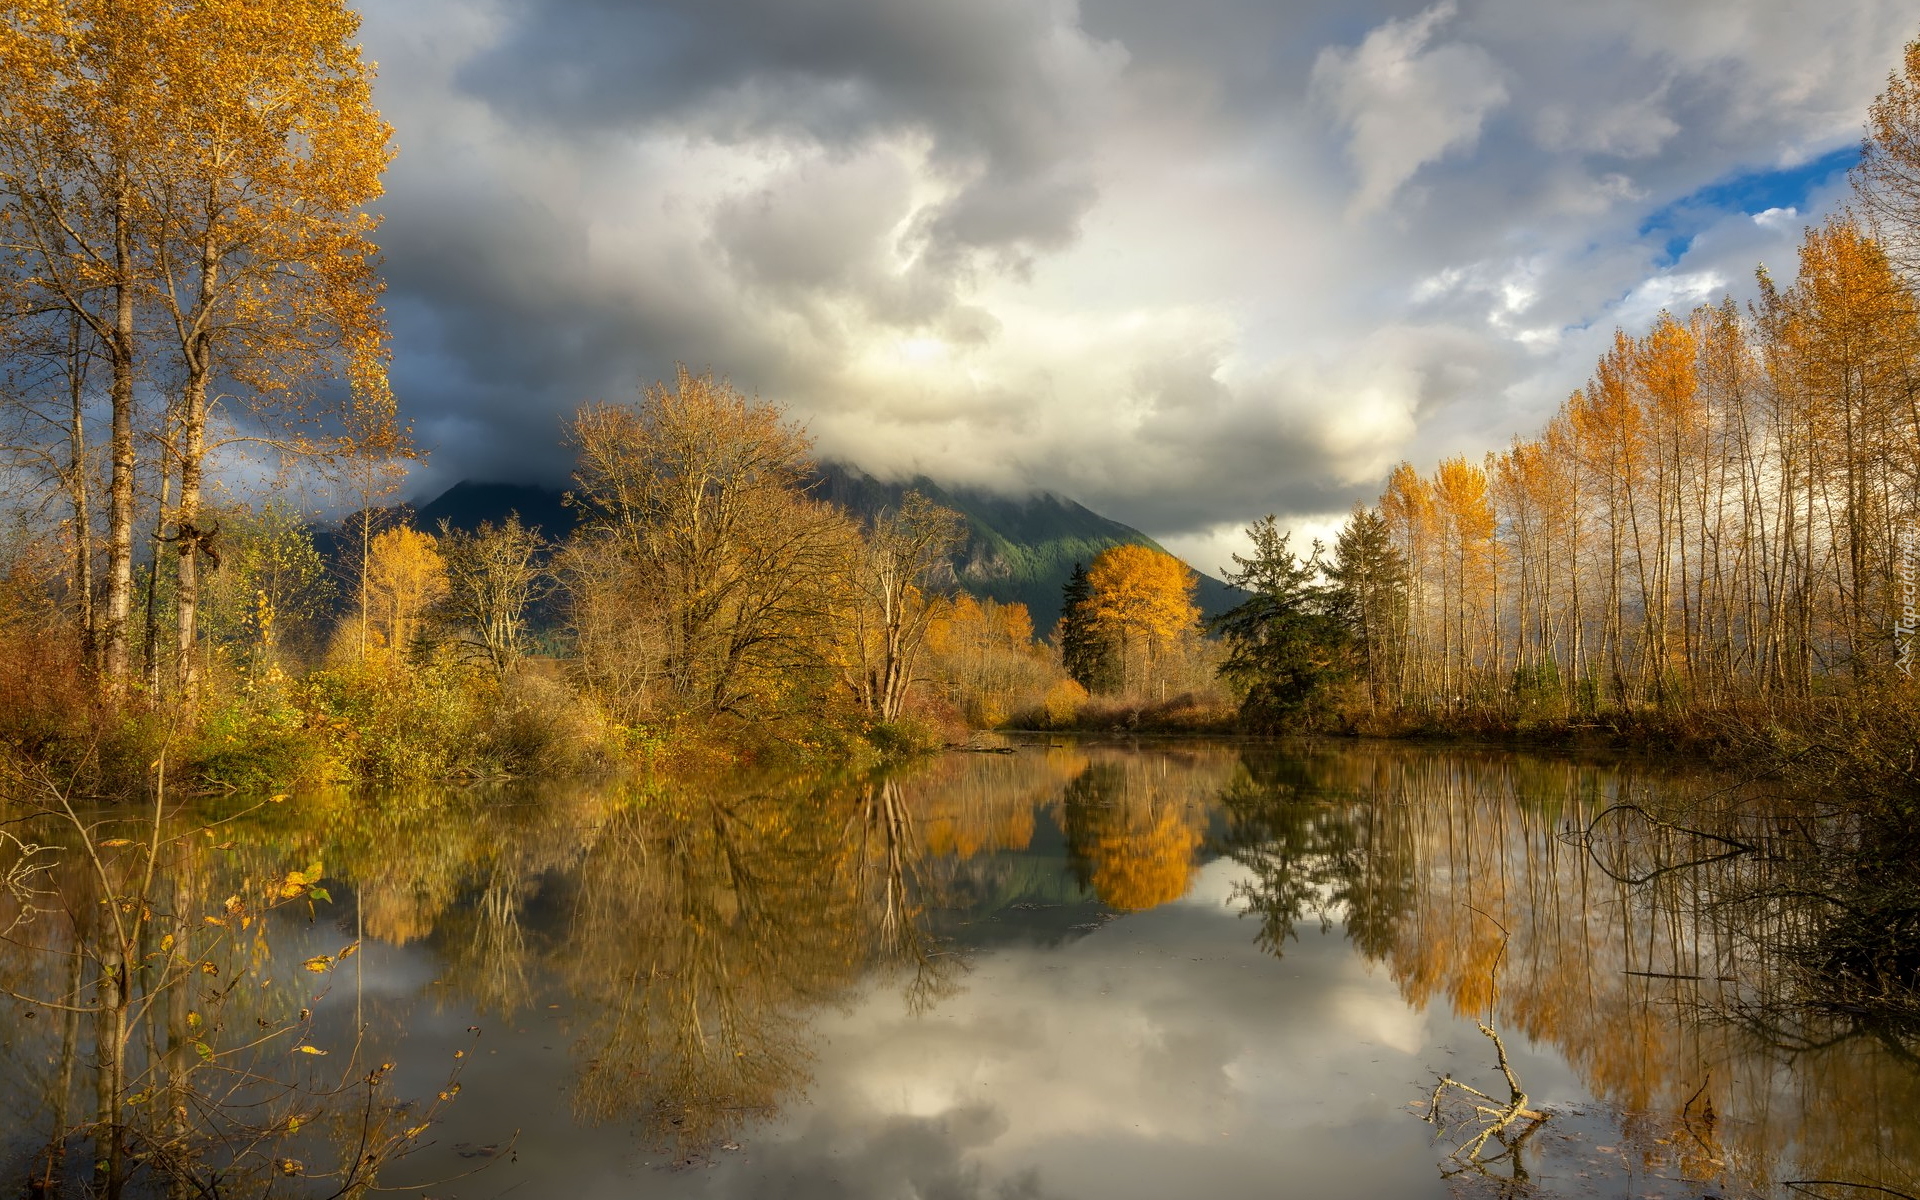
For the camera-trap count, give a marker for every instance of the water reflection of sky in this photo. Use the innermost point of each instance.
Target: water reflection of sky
(1162, 1054)
(1118, 1029)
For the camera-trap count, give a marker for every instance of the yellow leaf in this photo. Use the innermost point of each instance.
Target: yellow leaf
(309, 1050)
(117, 842)
(318, 963)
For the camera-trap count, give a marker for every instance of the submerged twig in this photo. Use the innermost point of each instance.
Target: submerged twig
(1496, 1115)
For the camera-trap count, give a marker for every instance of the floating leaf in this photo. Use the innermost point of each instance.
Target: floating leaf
(309, 1050)
(117, 842)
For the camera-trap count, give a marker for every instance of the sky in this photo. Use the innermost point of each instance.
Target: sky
(1187, 264)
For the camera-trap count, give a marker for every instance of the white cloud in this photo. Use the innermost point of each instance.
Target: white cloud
(1636, 128)
(1105, 247)
(1406, 102)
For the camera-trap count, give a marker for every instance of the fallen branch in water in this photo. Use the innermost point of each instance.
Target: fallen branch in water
(1496, 1115)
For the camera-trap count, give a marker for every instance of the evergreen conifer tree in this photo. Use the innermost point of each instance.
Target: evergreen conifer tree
(1369, 596)
(1285, 647)
(1085, 652)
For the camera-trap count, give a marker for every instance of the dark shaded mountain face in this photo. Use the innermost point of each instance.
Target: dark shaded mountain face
(464, 505)
(1017, 549)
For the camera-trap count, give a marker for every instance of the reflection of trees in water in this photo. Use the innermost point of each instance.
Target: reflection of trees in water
(1683, 983)
(143, 1035)
(1309, 854)
(703, 928)
(1134, 823)
(894, 880)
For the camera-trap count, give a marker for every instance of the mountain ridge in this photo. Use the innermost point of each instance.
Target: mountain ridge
(1017, 549)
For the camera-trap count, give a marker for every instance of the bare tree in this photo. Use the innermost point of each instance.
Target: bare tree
(494, 574)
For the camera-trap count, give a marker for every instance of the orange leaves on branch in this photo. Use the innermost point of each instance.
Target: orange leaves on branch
(1142, 595)
(405, 576)
(1142, 600)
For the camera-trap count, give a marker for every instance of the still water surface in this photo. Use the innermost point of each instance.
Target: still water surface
(1076, 970)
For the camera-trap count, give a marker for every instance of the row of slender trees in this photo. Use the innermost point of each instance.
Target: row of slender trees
(1728, 511)
(185, 256)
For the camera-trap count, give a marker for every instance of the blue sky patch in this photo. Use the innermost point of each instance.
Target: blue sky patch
(1674, 225)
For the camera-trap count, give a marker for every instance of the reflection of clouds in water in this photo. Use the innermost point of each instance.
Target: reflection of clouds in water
(1370, 1013)
(898, 1156)
(1158, 1040)
(1214, 885)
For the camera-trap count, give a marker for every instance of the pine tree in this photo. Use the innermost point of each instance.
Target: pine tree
(1285, 648)
(1368, 597)
(1085, 652)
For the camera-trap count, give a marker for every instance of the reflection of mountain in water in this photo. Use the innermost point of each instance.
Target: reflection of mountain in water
(694, 930)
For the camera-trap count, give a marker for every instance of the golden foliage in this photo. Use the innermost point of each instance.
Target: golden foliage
(1142, 598)
(1143, 860)
(703, 569)
(405, 576)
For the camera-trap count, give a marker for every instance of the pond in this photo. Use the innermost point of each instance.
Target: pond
(1074, 969)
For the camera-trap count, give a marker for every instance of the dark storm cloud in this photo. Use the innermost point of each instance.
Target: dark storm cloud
(991, 83)
(1186, 263)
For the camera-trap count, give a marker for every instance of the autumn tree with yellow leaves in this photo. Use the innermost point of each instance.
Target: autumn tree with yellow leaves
(406, 576)
(263, 259)
(182, 199)
(704, 578)
(1142, 600)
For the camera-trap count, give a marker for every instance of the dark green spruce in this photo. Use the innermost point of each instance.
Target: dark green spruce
(1286, 645)
(1086, 655)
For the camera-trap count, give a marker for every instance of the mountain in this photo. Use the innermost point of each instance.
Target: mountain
(1017, 549)
(466, 504)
